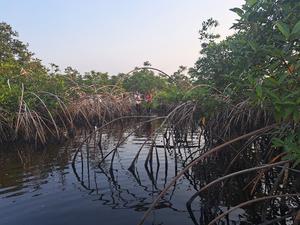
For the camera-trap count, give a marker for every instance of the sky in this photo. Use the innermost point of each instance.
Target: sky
(116, 35)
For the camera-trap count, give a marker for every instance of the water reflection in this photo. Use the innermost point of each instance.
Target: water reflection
(26, 170)
(133, 188)
(43, 187)
(122, 184)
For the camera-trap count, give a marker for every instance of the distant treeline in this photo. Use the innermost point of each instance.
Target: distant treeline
(254, 70)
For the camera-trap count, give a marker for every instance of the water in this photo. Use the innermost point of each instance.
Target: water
(42, 186)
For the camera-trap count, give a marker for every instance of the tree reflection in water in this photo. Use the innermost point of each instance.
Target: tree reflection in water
(133, 182)
(142, 161)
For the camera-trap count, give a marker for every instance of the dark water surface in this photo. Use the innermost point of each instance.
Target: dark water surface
(41, 187)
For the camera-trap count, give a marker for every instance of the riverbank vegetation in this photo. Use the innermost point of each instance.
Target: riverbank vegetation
(243, 92)
(40, 104)
(251, 78)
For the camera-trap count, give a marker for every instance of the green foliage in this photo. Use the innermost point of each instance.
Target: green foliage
(291, 145)
(204, 33)
(144, 81)
(260, 63)
(18, 68)
(284, 29)
(277, 73)
(11, 49)
(171, 95)
(9, 96)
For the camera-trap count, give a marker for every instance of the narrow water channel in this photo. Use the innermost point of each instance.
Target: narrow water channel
(40, 186)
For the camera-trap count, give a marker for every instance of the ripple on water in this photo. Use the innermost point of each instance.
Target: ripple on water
(41, 187)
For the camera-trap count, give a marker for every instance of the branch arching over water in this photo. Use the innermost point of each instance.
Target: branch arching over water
(248, 203)
(149, 68)
(189, 202)
(216, 149)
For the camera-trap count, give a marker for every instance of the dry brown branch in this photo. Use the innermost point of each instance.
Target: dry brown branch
(248, 203)
(184, 170)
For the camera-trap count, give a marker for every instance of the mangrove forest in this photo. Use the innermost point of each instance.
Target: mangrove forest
(217, 143)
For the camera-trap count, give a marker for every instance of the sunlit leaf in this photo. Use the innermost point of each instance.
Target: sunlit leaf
(251, 2)
(296, 28)
(284, 29)
(238, 11)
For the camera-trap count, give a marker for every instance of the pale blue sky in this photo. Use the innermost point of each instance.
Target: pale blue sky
(115, 35)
